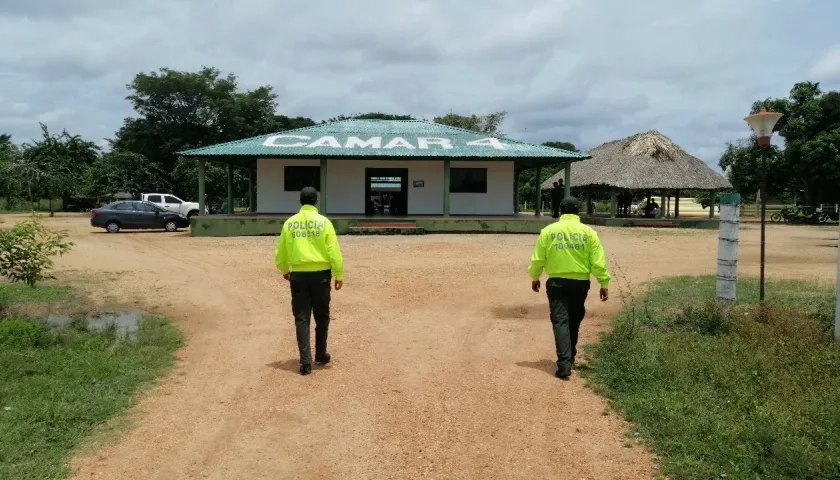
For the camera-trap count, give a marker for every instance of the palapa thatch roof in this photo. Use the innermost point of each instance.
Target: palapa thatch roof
(644, 161)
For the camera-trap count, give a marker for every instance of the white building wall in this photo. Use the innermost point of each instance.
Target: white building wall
(270, 195)
(499, 197)
(346, 187)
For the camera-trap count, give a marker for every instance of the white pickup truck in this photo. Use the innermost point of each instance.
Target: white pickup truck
(172, 203)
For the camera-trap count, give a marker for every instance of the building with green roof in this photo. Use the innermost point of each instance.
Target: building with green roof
(368, 168)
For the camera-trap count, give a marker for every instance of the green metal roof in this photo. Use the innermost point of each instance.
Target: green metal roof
(403, 139)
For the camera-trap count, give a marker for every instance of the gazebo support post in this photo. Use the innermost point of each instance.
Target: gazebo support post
(613, 203)
(712, 204)
(589, 201)
(202, 201)
(567, 184)
(538, 192)
(230, 188)
(662, 204)
(677, 204)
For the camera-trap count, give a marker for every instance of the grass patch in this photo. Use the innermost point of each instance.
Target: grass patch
(738, 392)
(60, 385)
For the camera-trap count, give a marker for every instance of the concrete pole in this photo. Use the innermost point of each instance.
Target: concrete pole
(446, 183)
(567, 186)
(202, 203)
(837, 305)
(668, 206)
(589, 201)
(322, 201)
(538, 188)
(614, 204)
(727, 270)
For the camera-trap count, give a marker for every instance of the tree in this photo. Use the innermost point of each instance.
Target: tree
(488, 124)
(370, 116)
(9, 156)
(742, 163)
(179, 110)
(527, 189)
(284, 123)
(811, 158)
(121, 171)
(27, 249)
(57, 162)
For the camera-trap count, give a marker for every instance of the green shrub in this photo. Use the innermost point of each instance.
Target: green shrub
(26, 251)
(21, 333)
(740, 391)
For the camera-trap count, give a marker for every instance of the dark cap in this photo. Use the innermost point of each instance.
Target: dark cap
(308, 196)
(570, 205)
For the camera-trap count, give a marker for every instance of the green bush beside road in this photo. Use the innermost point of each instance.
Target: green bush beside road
(728, 392)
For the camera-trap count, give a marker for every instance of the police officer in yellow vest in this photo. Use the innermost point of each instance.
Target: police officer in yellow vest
(568, 251)
(308, 256)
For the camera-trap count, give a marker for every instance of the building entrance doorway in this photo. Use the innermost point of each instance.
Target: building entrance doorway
(386, 192)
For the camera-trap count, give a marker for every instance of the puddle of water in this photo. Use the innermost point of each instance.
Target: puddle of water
(124, 322)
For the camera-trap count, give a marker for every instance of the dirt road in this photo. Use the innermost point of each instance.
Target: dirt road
(443, 357)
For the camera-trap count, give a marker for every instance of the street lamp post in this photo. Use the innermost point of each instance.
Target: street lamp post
(762, 124)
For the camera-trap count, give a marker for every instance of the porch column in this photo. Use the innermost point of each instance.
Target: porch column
(202, 204)
(515, 192)
(614, 202)
(230, 188)
(677, 204)
(252, 192)
(322, 201)
(446, 184)
(567, 180)
(538, 188)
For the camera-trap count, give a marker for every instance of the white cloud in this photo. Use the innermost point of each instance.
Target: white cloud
(828, 66)
(585, 72)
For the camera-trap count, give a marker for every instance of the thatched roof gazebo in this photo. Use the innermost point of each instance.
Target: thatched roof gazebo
(648, 162)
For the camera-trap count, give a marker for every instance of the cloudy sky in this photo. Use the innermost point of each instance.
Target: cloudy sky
(574, 70)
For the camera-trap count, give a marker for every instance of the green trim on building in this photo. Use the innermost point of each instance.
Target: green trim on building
(385, 139)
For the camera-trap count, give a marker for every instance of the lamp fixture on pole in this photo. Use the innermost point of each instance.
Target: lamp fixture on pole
(762, 124)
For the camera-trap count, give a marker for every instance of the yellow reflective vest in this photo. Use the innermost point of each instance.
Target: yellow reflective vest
(569, 249)
(308, 243)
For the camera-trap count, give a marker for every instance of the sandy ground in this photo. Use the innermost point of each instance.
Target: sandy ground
(443, 357)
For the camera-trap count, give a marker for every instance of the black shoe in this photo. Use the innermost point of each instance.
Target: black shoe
(305, 369)
(563, 373)
(323, 360)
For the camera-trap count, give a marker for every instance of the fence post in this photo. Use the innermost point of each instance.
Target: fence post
(727, 270)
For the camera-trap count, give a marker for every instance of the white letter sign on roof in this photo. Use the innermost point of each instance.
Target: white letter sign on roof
(487, 142)
(272, 141)
(424, 142)
(372, 142)
(328, 141)
(399, 142)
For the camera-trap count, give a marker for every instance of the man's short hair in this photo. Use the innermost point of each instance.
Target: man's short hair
(308, 196)
(570, 206)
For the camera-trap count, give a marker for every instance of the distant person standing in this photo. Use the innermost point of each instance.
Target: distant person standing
(556, 198)
(569, 252)
(308, 256)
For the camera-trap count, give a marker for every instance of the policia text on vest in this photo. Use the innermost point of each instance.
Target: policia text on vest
(569, 252)
(308, 256)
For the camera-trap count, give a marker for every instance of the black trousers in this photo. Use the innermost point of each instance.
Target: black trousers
(311, 294)
(566, 300)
